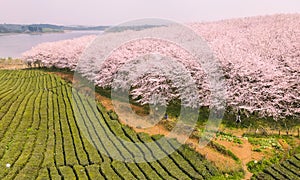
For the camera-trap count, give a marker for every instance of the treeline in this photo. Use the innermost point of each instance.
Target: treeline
(43, 28)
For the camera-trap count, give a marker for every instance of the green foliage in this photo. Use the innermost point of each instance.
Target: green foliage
(109, 172)
(67, 172)
(258, 166)
(49, 132)
(222, 149)
(93, 171)
(229, 137)
(264, 143)
(113, 115)
(80, 172)
(288, 169)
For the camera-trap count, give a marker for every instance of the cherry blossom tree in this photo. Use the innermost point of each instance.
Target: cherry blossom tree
(60, 54)
(259, 57)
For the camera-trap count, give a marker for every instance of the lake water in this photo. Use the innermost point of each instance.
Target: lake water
(13, 45)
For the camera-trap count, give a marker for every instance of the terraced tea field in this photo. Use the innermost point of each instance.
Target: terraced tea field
(289, 169)
(41, 138)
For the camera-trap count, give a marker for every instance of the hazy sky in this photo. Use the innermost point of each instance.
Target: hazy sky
(112, 12)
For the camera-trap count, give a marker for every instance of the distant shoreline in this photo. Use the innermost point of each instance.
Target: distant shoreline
(14, 44)
(31, 33)
(40, 33)
(45, 28)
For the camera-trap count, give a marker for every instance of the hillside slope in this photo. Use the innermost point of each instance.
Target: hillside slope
(41, 137)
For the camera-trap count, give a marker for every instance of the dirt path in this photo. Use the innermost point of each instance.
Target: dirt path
(222, 162)
(243, 152)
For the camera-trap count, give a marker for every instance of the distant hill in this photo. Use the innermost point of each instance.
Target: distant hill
(133, 28)
(44, 28)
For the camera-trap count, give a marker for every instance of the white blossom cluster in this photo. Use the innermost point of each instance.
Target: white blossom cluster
(259, 58)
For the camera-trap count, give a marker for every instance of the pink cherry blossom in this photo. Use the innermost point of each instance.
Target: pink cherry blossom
(260, 59)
